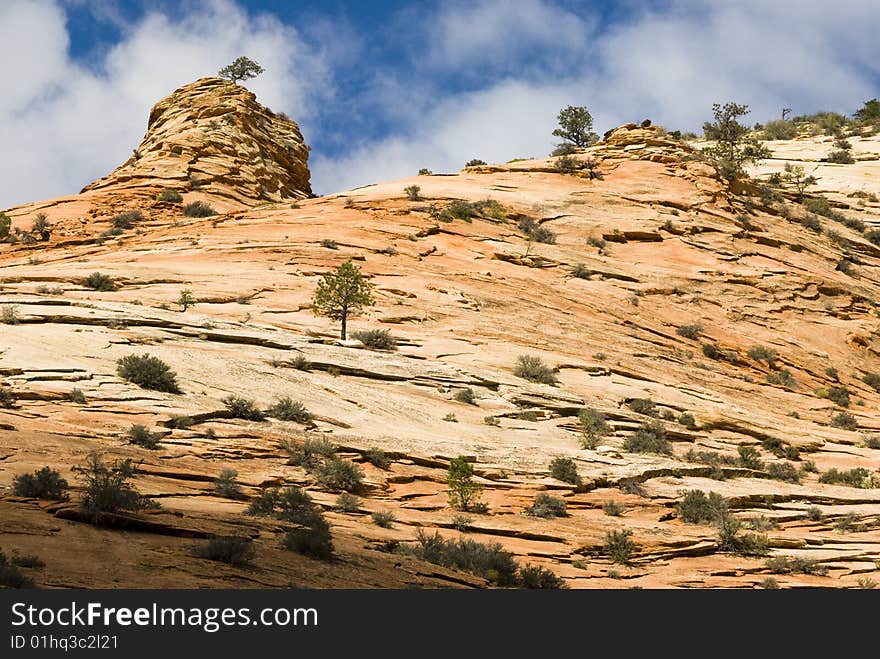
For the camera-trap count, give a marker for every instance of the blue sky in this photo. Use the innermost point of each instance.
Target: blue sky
(383, 88)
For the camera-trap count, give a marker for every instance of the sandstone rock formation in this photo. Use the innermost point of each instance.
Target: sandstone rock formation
(659, 285)
(212, 135)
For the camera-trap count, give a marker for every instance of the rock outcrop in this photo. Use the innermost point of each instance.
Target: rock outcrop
(212, 136)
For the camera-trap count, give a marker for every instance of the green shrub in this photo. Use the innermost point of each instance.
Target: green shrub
(287, 409)
(814, 513)
(8, 399)
(463, 490)
(841, 157)
(536, 232)
(812, 222)
(11, 576)
(310, 452)
(327, 243)
(148, 372)
(9, 314)
(383, 518)
(783, 471)
(779, 129)
(644, 406)
(531, 368)
(226, 485)
(747, 544)
(77, 396)
(476, 162)
(687, 420)
(692, 331)
(750, 458)
(170, 196)
(783, 378)
(127, 220)
(462, 523)
(377, 458)
(650, 437)
(593, 427)
(264, 504)
(413, 193)
(141, 435)
(492, 562)
(565, 470)
(315, 541)
(696, 507)
(580, 271)
(872, 380)
(795, 564)
(242, 408)
(619, 546)
(337, 474)
(466, 396)
(198, 209)
(227, 549)
(424, 171)
(547, 506)
(762, 353)
(769, 583)
(839, 395)
(852, 477)
(301, 363)
(99, 282)
(533, 577)
(491, 421)
(107, 489)
(613, 509)
(348, 503)
(27, 560)
(44, 483)
(849, 524)
(845, 421)
(5, 224)
(294, 505)
(376, 339)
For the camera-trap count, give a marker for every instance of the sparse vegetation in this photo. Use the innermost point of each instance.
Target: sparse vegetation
(287, 409)
(8, 399)
(9, 314)
(413, 193)
(856, 477)
(198, 209)
(750, 458)
(186, 299)
(11, 576)
(141, 435)
(492, 562)
(733, 149)
(576, 126)
(839, 395)
(687, 420)
(227, 549)
(309, 453)
(107, 489)
(294, 505)
(783, 471)
(383, 518)
(692, 331)
(328, 243)
(376, 339)
(170, 196)
(613, 509)
(463, 490)
(226, 485)
(844, 421)
(814, 513)
(763, 354)
(696, 507)
(783, 378)
(644, 406)
(565, 470)
(378, 459)
(77, 396)
(531, 368)
(593, 427)
(795, 564)
(98, 281)
(242, 68)
(347, 502)
(547, 506)
(535, 231)
(341, 293)
(849, 524)
(45, 483)
(337, 474)
(872, 380)
(746, 544)
(148, 372)
(476, 162)
(242, 408)
(619, 546)
(466, 396)
(580, 271)
(650, 437)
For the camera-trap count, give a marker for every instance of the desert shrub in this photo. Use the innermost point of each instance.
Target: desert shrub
(463, 490)
(11, 576)
(315, 541)
(98, 281)
(310, 452)
(198, 209)
(377, 458)
(613, 509)
(45, 483)
(619, 546)
(644, 406)
(839, 395)
(77, 396)
(8, 398)
(377, 339)
(650, 437)
(769, 583)
(451, 418)
(490, 561)
(294, 505)
(692, 331)
(852, 477)
(795, 564)
(242, 408)
(872, 380)
(841, 157)
(814, 513)
(491, 421)
(565, 470)
(424, 171)
(301, 363)
(821, 206)
(746, 544)
(226, 485)
(141, 435)
(327, 243)
(580, 271)
(687, 420)
(227, 549)
(107, 489)
(337, 474)
(534, 577)
(547, 506)
(9, 314)
(845, 421)
(287, 409)
(760, 523)
(348, 502)
(783, 471)
(873, 236)
(593, 427)
(667, 415)
(763, 354)
(476, 162)
(462, 523)
(779, 129)
(812, 222)
(127, 220)
(148, 372)
(27, 560)
(170, 196)
(598, 243)
(461, 210)
(696, 507)
(783, 378)
(849, 524)
(413, 193)
(872, 442)
(750, 458)
(531, 368)
(5, 224)
(265, 503)
(383, 518)
(466, 396)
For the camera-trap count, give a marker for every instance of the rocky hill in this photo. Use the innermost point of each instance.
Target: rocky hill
(733, 334)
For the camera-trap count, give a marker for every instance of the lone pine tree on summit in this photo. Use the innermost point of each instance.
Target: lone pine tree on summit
(576, 126)
(342, 292)
(242, 68)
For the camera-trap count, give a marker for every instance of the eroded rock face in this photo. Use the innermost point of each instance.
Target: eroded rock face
(213, 136)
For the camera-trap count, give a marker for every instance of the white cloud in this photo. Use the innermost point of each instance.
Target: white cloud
(67, 125)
